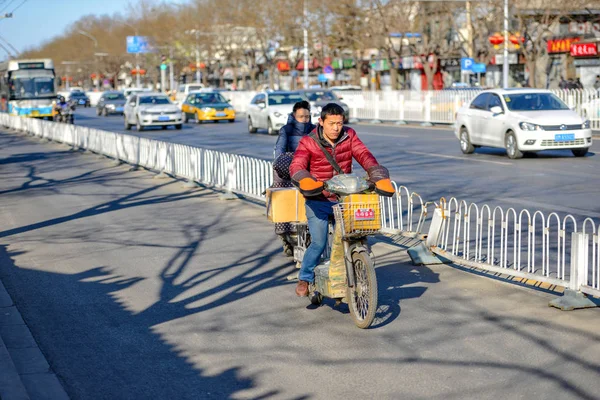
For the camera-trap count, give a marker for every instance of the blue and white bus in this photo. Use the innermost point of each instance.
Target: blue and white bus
(27, 87)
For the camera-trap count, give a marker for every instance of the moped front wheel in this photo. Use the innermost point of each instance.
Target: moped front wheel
(362, 298)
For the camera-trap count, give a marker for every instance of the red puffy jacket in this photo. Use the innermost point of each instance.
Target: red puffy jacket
(309, 159)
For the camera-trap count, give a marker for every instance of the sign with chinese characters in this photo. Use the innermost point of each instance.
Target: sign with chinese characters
(584, 49)
(364, 214)
(584, 28)
(560, 45)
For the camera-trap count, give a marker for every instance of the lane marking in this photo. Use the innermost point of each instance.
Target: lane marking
(382, 134)
(457, 158)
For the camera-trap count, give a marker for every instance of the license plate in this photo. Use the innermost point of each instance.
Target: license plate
(119, 108)
(564, 137)
(220, 114)
(163, 118)
(364, 214)
(81, 101)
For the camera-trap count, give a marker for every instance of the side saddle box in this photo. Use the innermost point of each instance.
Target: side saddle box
(285, 205)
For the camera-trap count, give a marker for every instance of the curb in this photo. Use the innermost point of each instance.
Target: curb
(24, 371)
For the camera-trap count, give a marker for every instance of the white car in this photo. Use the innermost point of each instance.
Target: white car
(151, 109)
(521, 121)
(270, 110)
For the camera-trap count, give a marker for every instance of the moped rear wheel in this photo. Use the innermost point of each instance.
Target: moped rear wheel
(362, 298)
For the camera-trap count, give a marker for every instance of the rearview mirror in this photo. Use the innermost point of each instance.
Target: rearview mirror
(496, 110)
(261, 105)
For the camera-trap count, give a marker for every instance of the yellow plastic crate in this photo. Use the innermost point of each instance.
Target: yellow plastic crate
(360, 214)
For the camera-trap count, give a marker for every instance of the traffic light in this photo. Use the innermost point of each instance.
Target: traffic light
(163, 62)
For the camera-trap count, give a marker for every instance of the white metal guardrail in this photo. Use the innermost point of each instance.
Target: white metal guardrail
(244, 175)
(436, 106)
(534, 245)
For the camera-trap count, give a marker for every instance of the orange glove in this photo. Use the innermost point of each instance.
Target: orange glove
(310, 187)
(384, 187)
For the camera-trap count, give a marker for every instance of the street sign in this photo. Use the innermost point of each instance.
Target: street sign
(466, 63)
(138, 44)
(328, 69)
(478, 68)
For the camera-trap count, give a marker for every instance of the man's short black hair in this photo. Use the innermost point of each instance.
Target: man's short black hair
(301, 105)
(331, 109)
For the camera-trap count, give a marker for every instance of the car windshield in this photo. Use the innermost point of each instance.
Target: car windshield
(154, 100)
(321, 96)
(534, 102)
(210, 98)
(77, 94)
(114, 96)
(278, 99)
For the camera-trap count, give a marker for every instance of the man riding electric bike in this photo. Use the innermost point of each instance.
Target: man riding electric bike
(326, 152)
(63, 110)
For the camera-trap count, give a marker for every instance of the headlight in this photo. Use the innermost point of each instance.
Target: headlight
(526, 126)
(111, 106)
(207, 109)
(586, 125)
(229, 109)
(277, 114)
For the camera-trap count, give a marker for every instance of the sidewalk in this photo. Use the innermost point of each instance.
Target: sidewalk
(135, 287)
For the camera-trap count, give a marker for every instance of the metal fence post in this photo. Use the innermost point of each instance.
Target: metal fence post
(427, 119)
(231, 179)
(376, 100)
(401, 120)
(573, 298)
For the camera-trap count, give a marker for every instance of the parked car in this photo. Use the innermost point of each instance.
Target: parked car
(207, 106)
(318, 98)
(129, 91)
(112, 102)
(521, 121)
(184, 90)
(79, 98)
(151, 109)
(270, 110)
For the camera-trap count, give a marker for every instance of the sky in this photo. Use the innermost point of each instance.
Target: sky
(37, 21)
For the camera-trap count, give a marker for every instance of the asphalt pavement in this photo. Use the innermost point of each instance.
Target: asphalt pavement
(134, 287)
(427, 161)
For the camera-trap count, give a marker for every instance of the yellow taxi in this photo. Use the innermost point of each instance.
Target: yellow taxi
(207, 106)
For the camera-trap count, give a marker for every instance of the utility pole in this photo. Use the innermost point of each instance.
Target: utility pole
(505, 64)
(171, 73)
(89, 36)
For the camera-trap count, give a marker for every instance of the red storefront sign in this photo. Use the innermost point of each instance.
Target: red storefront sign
(560, 45)
(584, 49)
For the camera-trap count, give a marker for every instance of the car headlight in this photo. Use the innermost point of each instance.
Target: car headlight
(229, 109)
(527, 126)
(207, 109)
(277, 114)
(111, 106)
(586, 125)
